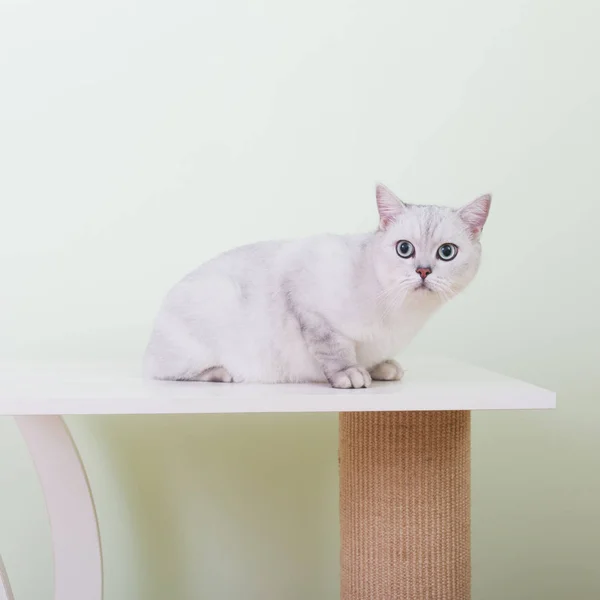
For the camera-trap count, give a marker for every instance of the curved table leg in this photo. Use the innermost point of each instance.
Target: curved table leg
(73, 521)
(5, 590)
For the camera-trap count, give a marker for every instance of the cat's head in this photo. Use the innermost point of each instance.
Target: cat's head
(427, 250)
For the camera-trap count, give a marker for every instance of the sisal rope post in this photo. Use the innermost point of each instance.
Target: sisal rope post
(405, 505)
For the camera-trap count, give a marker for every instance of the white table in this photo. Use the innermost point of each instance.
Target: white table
(404, 455)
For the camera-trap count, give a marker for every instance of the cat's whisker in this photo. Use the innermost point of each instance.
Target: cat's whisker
(445, 290)
(396, 298)
(386, 293)
(391, 292)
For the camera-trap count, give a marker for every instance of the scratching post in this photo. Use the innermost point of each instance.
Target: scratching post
(405, 505)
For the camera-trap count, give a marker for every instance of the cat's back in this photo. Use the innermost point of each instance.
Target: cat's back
(270, 261)
(232, 275)
(241, 263)
(252, 281)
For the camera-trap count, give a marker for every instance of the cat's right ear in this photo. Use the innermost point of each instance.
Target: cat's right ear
(388, 205)
(475, 214)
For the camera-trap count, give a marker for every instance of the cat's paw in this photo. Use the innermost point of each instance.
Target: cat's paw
(216, 374)
(352, 377)
(388, 370)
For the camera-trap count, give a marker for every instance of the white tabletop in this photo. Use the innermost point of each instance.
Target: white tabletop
(88, 389)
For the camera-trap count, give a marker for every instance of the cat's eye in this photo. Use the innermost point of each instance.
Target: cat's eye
(405, 249)
(447, 251)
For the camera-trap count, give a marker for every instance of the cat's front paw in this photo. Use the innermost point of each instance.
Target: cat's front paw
(388, 370)
(352, 377)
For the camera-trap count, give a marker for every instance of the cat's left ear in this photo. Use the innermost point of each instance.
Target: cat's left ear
(388, 205)
(475, 214)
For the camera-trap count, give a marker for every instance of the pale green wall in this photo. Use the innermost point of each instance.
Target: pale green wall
(136, 142)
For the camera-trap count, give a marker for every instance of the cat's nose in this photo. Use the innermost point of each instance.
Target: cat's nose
(423, 272)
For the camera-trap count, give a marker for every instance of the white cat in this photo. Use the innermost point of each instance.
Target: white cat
(328, 308)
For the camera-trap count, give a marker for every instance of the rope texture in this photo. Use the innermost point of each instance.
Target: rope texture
(405, 505)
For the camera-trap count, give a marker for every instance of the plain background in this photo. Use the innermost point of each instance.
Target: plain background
(139, 139)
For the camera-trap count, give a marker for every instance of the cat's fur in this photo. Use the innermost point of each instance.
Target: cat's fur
(328, 308)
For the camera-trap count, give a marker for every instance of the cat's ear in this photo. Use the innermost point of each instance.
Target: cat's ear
(388, 205)
(475, 214)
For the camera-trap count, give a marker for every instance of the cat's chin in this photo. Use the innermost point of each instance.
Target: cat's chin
(423, 291)
(424, 294)
(423, 288)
